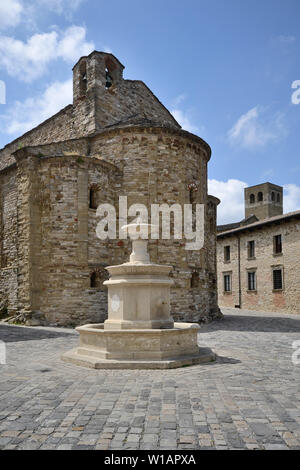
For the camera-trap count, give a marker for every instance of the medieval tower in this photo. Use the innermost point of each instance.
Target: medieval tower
(263, 200)
(116, 139)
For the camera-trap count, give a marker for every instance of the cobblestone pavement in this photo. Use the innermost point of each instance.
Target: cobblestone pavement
(248, 399)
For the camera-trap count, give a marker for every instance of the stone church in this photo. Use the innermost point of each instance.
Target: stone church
(115, 139)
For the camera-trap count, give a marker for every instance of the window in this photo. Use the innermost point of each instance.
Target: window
(252, 199)
(192, 196)
(97, 277)
(93, 196)
(93, 280)
(277, 279)
(260, 196)
(277, 243)
(108, 79)
(226, 254)
(83, 79)
(273, 196)
(227, 282)
(195, 280)
(251, 249)
(278, 197)
(251, 280)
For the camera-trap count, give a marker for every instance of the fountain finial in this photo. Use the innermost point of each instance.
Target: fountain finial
(139, 232)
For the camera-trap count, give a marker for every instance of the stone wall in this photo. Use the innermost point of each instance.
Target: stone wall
(122, 141)
(8, 240)
(264, 298)
(97, 108)
(157, 165)
(58, 127)
(58, 250)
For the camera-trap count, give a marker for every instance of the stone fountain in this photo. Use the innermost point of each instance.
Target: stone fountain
(139, 332)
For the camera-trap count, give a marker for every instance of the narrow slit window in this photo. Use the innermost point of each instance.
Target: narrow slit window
(93, 279)
(195, 280)
(83, 79)
(192, 196)
(93, 198)
(108, 79)
(277, 279)
(277, 244)
(251, 249)
(227, 253)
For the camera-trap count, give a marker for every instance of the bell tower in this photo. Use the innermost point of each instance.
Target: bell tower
(96, 82)
(99, 70)
(263, 200)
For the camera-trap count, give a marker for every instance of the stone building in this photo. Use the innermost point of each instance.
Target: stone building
(115, 139)
(257, 258)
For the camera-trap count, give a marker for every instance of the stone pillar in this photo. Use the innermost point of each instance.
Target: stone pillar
(29, 232)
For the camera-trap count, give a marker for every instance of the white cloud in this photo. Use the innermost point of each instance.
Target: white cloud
(283, 41)
(286, 39)
(231, 194)
(29, 60)
(10, 13)
(60, 6)
(23, 116)
(256, 128)
(73, 44)
(179, 99)
(182, 118)
(291, 197)
(13, 12)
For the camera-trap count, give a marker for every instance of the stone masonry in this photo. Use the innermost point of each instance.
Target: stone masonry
(116, 139)
(258, 264)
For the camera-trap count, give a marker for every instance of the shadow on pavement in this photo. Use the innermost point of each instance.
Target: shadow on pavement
(12, 333)
(227, 360)
(254, 323)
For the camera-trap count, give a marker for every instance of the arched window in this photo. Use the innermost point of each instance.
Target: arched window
(93, 196)
(252, 199)
(195, 280)
(108, 79)
(278, 197)
(192, 196)
(260, 196)
(93, 279)
(97, 277)
(83, 79)
(273, 196)
(193, 189)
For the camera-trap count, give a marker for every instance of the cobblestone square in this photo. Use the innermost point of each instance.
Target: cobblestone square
(248, 399)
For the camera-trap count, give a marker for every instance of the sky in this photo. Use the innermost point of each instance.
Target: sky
(224, 68)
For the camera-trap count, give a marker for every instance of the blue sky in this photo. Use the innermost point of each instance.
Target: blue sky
(224, 68)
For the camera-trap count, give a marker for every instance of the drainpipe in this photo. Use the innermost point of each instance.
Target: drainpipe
(239, 272)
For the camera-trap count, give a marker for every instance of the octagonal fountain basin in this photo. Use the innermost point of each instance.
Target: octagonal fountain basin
(165, 348)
